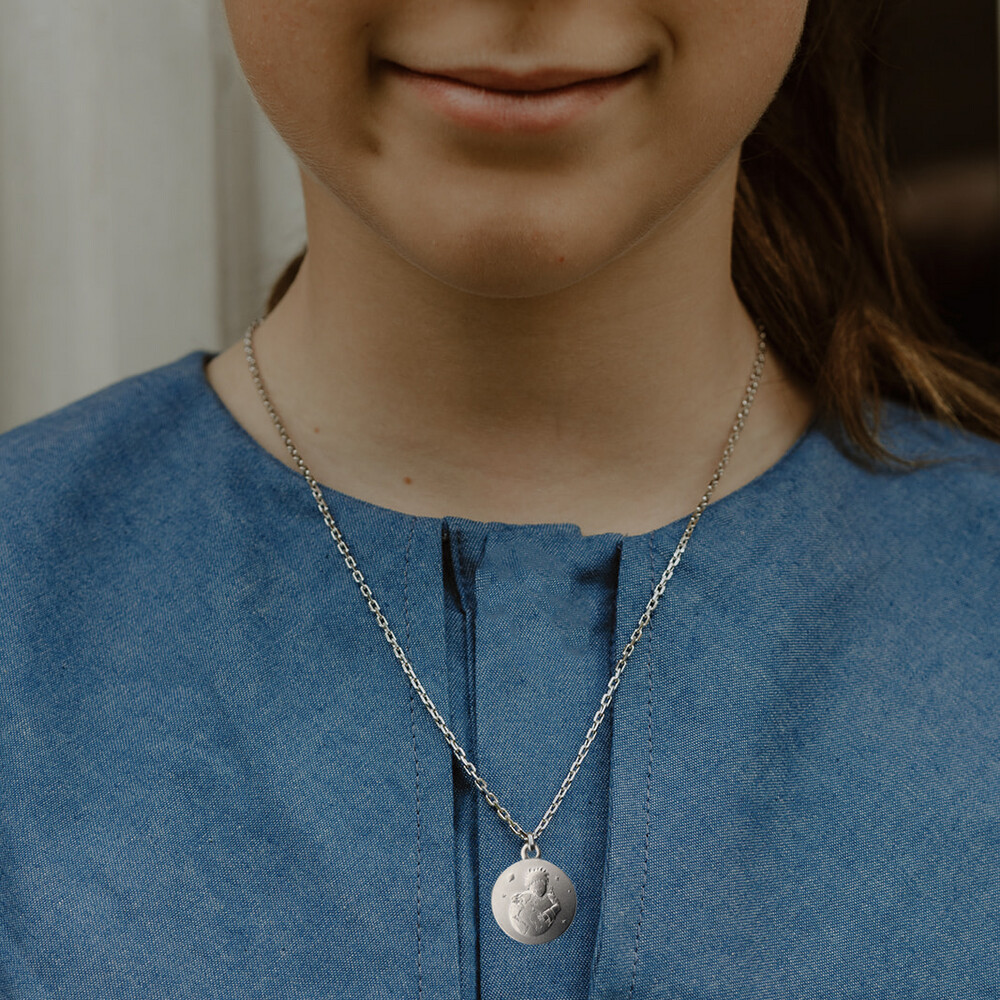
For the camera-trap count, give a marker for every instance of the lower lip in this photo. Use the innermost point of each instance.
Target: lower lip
(508, 112)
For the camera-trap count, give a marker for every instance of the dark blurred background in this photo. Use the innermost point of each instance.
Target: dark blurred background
(944, 131)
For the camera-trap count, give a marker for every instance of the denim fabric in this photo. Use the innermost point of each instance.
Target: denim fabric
(215, 781)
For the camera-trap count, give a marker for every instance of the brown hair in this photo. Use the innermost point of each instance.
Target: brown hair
(816, 258)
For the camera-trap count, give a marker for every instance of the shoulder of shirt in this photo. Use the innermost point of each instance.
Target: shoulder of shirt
(947, 500)
(91, 446)
(962, 462)
(938, 461)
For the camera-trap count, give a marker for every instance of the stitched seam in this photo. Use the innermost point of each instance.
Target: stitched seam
(465, 571)
(468, 572)
(649, 786)
(612, 653)
(416, 766)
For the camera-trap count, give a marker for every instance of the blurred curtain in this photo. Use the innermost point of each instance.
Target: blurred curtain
(145, 204)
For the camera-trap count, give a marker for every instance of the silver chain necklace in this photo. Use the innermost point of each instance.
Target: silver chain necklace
(534, 901)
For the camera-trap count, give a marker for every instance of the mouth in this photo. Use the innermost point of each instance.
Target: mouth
(499, 101)
(534, 82)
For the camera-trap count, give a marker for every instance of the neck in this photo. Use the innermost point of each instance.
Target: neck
(606, 404)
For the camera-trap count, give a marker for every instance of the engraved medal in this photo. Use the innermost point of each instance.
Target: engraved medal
(534, 901)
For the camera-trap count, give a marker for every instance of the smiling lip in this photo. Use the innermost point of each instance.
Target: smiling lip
(494, 100)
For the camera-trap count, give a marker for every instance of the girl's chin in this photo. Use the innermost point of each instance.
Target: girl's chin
(505, 262)
(539, 243)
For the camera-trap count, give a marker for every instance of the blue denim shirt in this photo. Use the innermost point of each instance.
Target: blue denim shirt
(215, 780)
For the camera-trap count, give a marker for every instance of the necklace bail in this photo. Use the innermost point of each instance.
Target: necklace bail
(530, 845)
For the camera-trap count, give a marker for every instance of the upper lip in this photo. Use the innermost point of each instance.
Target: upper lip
(548, 78)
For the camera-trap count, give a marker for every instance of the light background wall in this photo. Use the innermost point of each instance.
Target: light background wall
(145, 203)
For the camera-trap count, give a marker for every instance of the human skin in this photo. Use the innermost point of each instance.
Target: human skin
(496, 324)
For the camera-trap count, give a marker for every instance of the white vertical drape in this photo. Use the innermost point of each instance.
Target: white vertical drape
(145, 203)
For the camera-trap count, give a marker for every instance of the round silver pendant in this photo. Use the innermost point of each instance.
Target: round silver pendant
(534, 901)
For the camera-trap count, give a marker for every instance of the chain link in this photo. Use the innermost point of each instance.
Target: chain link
(530, 838)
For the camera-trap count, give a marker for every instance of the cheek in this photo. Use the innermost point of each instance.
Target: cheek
(734, 53)
(305, 61)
